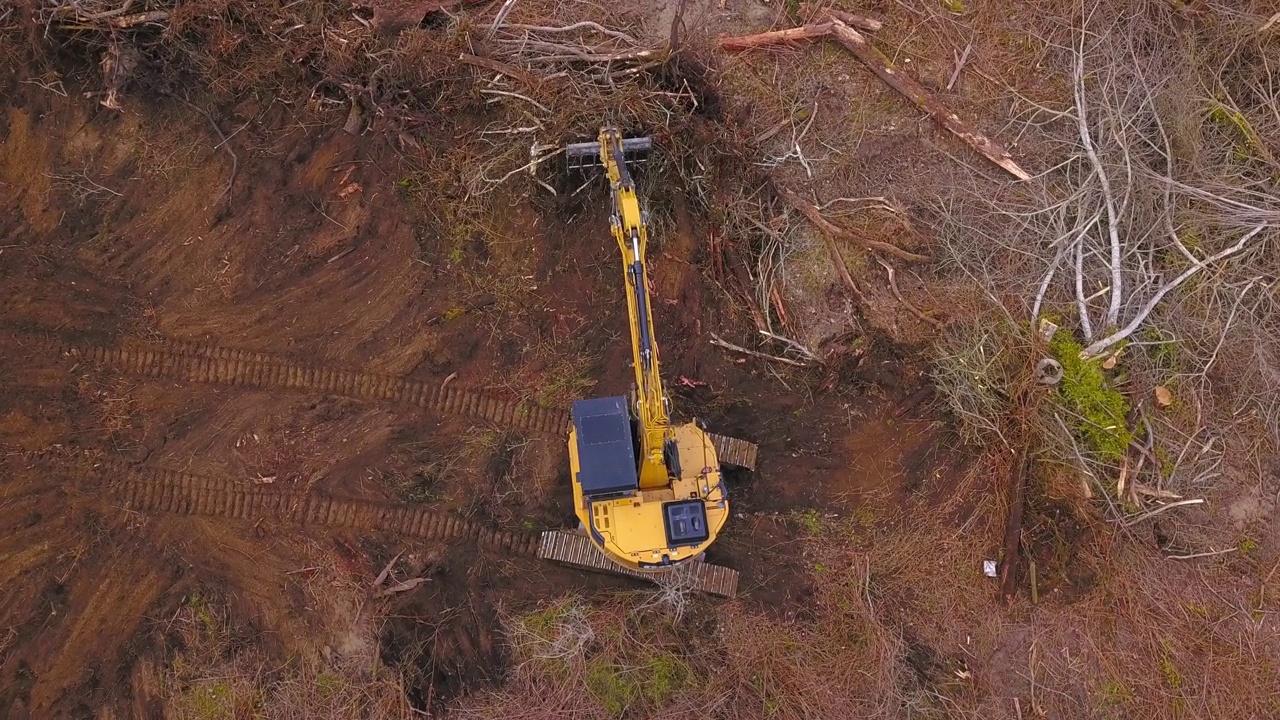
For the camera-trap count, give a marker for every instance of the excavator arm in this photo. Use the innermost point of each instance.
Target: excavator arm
(629, 228)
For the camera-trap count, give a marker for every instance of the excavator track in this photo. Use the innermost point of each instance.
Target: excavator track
(150, 489)
(577, 550)
(190, 362)
(733, 451)
(145, 488)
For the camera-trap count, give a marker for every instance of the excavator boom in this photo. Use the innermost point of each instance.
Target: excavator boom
(630, 229)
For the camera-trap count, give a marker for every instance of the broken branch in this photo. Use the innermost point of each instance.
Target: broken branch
(402, 587)
(858, 21)
(893, 285)
(721, 342)
(793, 344)
(387, 570)
(776, 37)
(855, 43)
(1162, 508)
(810, 211)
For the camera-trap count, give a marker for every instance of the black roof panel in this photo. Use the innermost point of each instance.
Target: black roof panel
(606, 453)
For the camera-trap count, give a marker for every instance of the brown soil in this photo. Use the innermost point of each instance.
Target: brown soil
(114, 230)
(132, 503)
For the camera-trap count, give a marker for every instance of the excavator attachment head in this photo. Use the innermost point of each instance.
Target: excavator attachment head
(584, 155)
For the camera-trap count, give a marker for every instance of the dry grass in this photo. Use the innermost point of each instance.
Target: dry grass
(218, 672)
(903, 625)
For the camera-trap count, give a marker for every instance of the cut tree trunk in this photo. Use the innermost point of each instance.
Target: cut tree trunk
(855, 43)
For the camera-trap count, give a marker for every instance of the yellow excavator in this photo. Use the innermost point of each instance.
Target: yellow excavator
(648, 493)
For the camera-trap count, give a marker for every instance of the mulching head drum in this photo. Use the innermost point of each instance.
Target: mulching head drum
(584, 155)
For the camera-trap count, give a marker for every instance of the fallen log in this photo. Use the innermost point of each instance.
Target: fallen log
(830, 229)
(854, 42)
(776, 37)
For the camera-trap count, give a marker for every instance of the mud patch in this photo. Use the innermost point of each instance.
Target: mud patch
(444, 638)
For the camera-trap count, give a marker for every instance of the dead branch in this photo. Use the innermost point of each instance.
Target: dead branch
(510, 71)
(401, 587)
(793, 344)
(615, 34)
(858, 21)
(721, 342)
(1013, 527)
(1162, 508)
(776, 37)
(828, 239)
(1193, 556)
(1102, 346)
(855, 43)
(893, 285)
(437, 5)
(387, 570)
(500, 17)
(776, 299)
(141, 18)
(810, 211)
(567, 52)
(1113, 216)
(961, 59)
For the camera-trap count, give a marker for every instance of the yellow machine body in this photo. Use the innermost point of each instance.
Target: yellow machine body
(674, 505)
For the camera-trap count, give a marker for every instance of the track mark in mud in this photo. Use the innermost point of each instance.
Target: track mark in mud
(191, 362)
(146, 488)
(223, 366)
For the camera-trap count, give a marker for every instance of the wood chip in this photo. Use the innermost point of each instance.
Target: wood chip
(387, 570)
(405, 586)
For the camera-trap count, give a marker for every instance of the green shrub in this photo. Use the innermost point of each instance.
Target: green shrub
(607, 685)
(1098, 408)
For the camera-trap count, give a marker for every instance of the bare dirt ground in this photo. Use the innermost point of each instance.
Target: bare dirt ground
(240, 226)
(270, 275)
